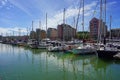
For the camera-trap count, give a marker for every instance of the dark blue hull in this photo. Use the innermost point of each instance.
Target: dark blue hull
(106, 54)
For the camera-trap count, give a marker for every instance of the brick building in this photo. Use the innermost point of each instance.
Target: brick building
(52, 33)
(66, 32)
(94, 28)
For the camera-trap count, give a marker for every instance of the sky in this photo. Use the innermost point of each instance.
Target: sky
(17, 15)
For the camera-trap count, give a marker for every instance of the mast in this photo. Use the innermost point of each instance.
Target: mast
(74, 33)
(74, 22)
(32, 25)
(46, 25)
(32, 33)
(105, 11)
(40, 24)
(100, 23)
(40, 30)
(83, 20)
(110, 37)
(13, 33)
(104, 26)
(100, 20)
(78, 15)
(19, 32)
(63, 23)
(64, 16)
(27, 31)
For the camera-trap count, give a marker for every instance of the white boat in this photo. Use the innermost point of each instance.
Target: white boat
(56, 47)
(84, 50)
(43, 44)
(32, 43)
(20, 43)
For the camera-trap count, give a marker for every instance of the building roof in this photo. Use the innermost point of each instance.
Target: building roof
(66, 25)
(94, 19)
(116, 29)
(52, 28)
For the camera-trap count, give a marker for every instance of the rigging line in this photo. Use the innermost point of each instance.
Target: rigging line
(95, 8)
(78, 14)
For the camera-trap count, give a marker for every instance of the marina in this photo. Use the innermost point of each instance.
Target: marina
(21, 63)
(59, 40)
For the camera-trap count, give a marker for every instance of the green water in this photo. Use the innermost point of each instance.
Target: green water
(19, 63)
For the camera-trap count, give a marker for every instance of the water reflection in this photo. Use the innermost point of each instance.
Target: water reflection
(29, 64)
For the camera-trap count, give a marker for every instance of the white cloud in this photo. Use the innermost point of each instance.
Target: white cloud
(3, 3)
(112, 3)
(20, 6)
(57, 18)
(70, 13)
(9, 31)
(72, 1)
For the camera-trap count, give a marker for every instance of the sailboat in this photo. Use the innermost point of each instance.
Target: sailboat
(107, 51)
(32, 42)
(44, 43)
(84, 48)
(57, 46)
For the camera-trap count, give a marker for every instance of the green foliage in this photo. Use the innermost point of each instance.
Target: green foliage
(83, 35)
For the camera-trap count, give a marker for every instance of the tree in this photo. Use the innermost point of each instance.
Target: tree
(83, 35)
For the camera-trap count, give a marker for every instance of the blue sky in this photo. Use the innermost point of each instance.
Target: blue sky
(19, 14)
